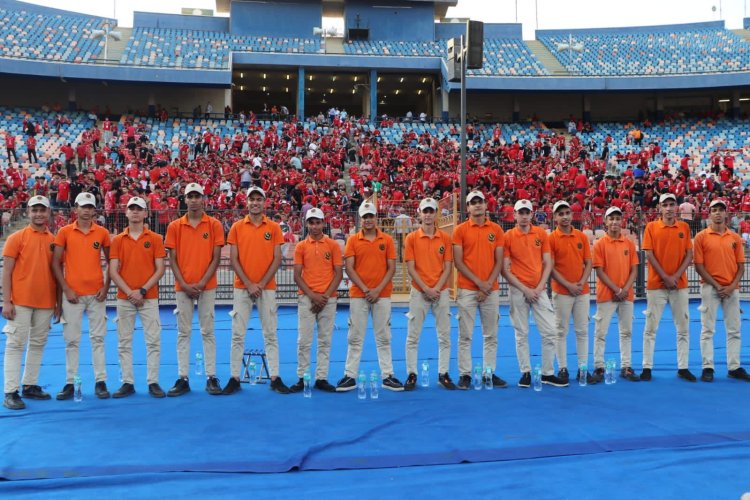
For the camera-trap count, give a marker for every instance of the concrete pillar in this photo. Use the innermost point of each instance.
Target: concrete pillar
(301, 94)
(373, 96)
(151, 104)
(659, 107)
(72, 104)
(445, 101)
(586, 108)
(228, 99)
(516, 110)
(735, 104)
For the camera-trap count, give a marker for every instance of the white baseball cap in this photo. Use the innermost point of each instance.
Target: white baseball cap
(135, 200)
(194, 187)
(85, 199)
(612, 210)
(667, 196)
(314, 213)
(367, 208)
(428, 203)
(561, 203)
(521, 204)
(718, 201)
(474, 194)
(38, 200)
(255, 189)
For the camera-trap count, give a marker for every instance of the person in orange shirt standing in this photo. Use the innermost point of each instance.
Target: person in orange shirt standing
(194, 244)
(428, 254)
(669, 252)
(527, 266)
(318, 268)
(370, 258)
(720, 259)
(136, 264)
(255, 253)
(30, 300)
(77, 264)
(478, 254)
(616, 265)
(571, 267)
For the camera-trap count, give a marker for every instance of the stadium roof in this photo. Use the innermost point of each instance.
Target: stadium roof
(335, 7)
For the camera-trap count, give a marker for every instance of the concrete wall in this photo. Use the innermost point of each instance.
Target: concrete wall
(178, 21)
(281, 18)
(392, 19)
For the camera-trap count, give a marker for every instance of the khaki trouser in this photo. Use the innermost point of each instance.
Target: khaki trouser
(31, 327)
(418, 308)
(206, 301)
(544, 315)
(242, 308)
(602, 319)
(710, 302)
(359, 311)
(149, 314)
(489, 315)
(73, 316)
(678, 303)
(565, 305)
(306, 321)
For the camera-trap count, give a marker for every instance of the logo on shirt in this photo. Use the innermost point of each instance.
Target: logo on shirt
(97, 245)
(491, 236)
(327, 256)
(381, 247)
(441, 250)
(734, 245)
(626, 252)
(205, 236)
(52, 247)
(680, 235)
(538, 242)
(580, 245)
(267, 236)
(147, 244)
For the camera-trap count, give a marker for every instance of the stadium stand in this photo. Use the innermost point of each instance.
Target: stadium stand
(508, 57)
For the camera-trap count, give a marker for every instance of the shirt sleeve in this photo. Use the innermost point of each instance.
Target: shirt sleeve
(409, 247)
(698, 249)
(336, 254)
(390, 248)
(171, 239)
(114, 250)
(218, 233)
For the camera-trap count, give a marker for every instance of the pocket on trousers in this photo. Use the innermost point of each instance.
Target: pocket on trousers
(9, 329)
(409, 315)
(702, 308)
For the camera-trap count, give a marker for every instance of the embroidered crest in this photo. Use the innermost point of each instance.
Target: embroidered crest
(381, 247)
(538, 242)
(734, 245)
(627, 252)
(580, 245)
(441, 250)
(327, 256)
(267, 236)
(97, 245)
(205, 236)
(51, 247)
(491, 236)
(147, 244)
(680, 235)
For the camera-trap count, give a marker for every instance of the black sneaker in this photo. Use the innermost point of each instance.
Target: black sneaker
(554, 381)
(392, 384)
(739, 374)
(464, 382)
(65, 393)
(182, 386)
(590, 379)
(277, 386)
(13, 401)
(525, 380)
(411, 382)
(707, 375)
(34, 392)
(628, 374)
(156, 391)
(100, 389)
(324, 385)
(346, 384)
(598, 376)
(445, 380)
(563, 375)
(646, 375)
(298, 387)
(213, 387)
(497, 382)
(232, 386)
(685, 374)
(124, 390)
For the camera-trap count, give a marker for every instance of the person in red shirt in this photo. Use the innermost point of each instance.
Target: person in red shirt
(10, 146)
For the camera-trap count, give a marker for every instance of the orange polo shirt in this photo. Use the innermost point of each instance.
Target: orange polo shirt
(318, 259)
(255, 248)
(194, 247)
(370, 261)
(478, 243)
(570, 253)
(720, 253)
(429, 253)
(82, 257)
(615, 257)
(668, 244)
(526, 251)
(137, 259)
(33, 281)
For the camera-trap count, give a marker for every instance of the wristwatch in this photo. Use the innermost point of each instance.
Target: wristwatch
(143, 292)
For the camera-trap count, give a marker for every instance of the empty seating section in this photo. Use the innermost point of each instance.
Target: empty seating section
(180, 48)
(508, 57)
(421, 48)
(659, 53)
(61, 38)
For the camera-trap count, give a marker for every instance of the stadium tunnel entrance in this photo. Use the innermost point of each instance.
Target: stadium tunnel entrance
(260, 89)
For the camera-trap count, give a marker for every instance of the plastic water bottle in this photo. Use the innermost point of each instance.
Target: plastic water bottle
(536, 377)
(478, 378)
(488, 378)
(251, 372)
(198, 363)
(307, 389)
(609, 373)
(361, 389)
(77, 391)
(120, 369)
(582, 372)
(374, 385)
(425, 382)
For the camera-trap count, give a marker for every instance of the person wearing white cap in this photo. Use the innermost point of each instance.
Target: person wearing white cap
(194, 244)
(720, 261)
(571, 268)
(527, 267)
(429, 256)
(255, 254)
(136, 264)
(478, 256)
(669, 252)
(31, 299)
(370, 258)
(318, 269)
(616, 265)
(76, 261)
